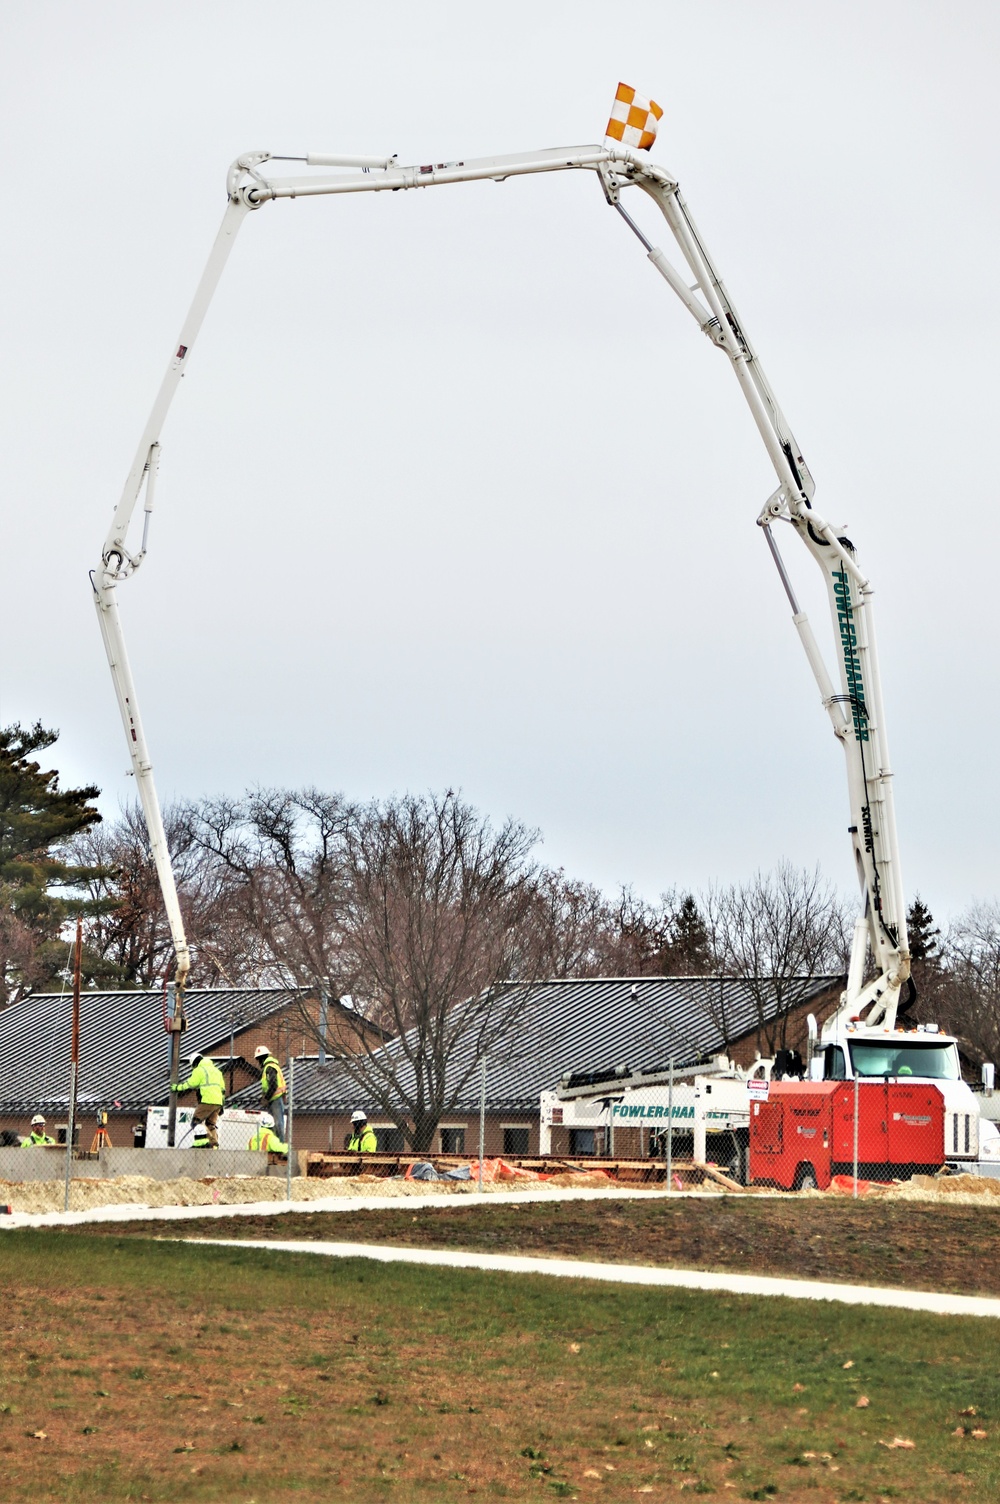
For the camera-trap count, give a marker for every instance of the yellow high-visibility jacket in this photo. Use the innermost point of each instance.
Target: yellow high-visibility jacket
(208, 1081)
(272, 1080)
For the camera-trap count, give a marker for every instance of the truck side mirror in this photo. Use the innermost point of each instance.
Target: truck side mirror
(989, 1071)
(816, 1068)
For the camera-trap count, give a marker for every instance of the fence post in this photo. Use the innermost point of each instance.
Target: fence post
(74, 1058)
(288, 1125)
(175, 1021)
(482, 1121)
(855, 1138)
(670, 1128)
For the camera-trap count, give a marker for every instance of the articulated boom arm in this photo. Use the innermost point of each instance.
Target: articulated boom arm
(855, 709)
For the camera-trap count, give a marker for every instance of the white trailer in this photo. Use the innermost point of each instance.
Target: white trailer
(708, 1112)
(236, 1127)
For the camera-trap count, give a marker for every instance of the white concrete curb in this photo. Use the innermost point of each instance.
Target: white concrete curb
(637, 1274)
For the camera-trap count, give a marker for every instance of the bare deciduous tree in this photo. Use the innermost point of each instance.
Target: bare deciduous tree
(778, 927)
(25, 965)
(127, 938)
(439, 917)
(668, 938)
(966, 990)
(277, 859)
(573, 925)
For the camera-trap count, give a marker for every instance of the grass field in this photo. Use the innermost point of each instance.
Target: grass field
(141, 1370)
(920, 1245)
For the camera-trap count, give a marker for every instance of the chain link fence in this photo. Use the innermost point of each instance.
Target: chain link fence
(814, 1135)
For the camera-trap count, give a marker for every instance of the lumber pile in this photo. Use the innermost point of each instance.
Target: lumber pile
(630, 1172)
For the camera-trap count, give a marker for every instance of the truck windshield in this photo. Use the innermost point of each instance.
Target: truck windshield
(887, 1058)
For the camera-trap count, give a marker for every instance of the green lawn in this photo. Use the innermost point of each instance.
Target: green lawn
(919, 1245)
(166, 1372)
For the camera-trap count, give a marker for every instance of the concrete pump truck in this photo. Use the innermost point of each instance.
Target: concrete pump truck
(865, 1035)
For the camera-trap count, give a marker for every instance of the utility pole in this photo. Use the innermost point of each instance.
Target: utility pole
(324, 1018)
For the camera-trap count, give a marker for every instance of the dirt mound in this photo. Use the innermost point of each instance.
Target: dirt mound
(140, 1190)
(949, 1187)
(579, 1178)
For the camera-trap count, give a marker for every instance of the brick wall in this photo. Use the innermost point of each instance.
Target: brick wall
(323, 1131)
(119, 1126)
(744, 1051)
(294, 1029)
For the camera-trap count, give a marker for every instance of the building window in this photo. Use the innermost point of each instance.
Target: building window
(452, 1140)
(515, 1141)
(582, 1141)
(390, 1140)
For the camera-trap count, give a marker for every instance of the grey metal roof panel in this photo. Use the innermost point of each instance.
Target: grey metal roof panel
(124, 1047)
(590, 1024)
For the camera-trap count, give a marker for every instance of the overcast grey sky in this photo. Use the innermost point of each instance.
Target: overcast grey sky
(412, 528)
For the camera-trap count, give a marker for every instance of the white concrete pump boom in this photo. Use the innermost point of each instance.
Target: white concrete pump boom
(855, 708)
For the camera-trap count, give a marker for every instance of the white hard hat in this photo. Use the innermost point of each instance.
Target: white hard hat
(359, 1117)
(194, 1058)
(266, 1120)
(261, 1051)
(37, 1119)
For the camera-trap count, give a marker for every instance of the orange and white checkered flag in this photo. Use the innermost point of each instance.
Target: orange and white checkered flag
(633, 119)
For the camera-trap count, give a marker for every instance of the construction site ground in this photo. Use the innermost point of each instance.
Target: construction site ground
(940, 1245)
(153, 1370)
(41, 1196)
(37, 1196)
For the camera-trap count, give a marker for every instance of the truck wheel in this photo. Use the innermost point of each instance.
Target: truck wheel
(805, 1179)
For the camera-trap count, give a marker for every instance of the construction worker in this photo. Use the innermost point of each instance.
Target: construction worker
(266, 1139)
(362, 1140)
(272, 1086)
(208, 1081)
(37, 1136)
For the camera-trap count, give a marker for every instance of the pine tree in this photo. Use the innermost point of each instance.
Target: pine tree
(923, 935)
(690, 946)
(36, 886)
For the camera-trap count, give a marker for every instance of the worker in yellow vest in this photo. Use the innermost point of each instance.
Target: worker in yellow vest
(362, 1140)
(37, 1138)
(208, 1081)
(272, 1086)
(265, 1138)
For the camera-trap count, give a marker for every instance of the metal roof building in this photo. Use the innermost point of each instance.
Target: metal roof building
(124, 1046)
(571, 1025)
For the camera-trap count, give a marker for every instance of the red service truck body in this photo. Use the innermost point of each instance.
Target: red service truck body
(804, 1132)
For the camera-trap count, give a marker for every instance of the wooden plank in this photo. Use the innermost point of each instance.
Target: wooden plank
(723, 1180)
